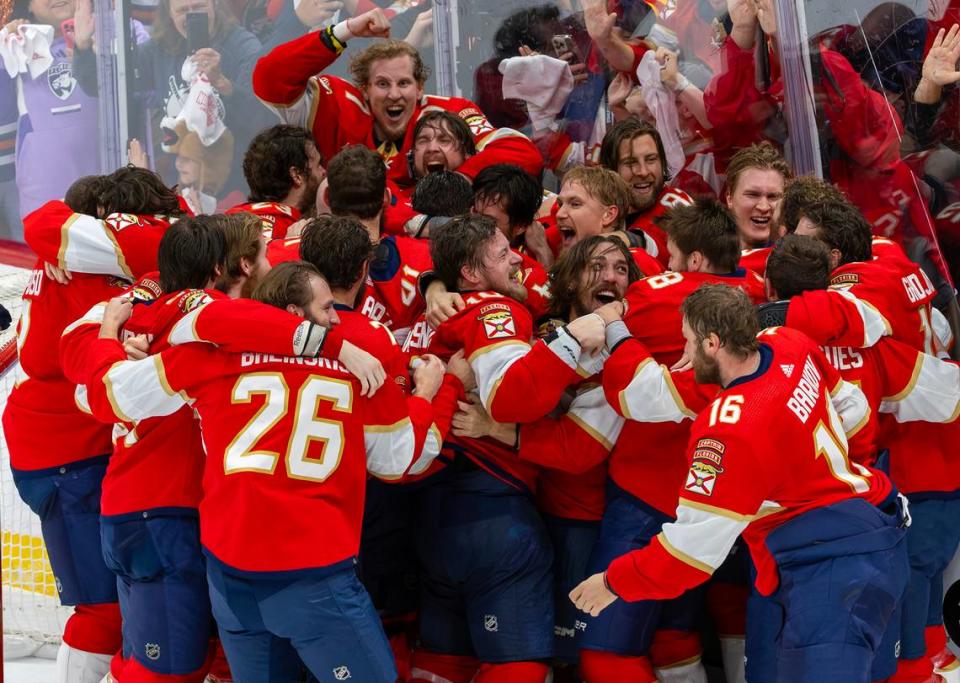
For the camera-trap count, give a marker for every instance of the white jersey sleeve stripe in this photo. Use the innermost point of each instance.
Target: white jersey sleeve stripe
(490, 363)
(389, 449)
(88, 246)
(701, 537)
(875, 325)
(652, 396)
(851, 406)
(933, 394)
(594, 415)
(430, 450)
(139, 389)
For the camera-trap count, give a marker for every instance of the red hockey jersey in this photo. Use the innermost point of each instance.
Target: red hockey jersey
(157, 462)
(275, 217)
(280, 250)
(288, 80)
(102, 254)
(494, 332)
(645, 222)
(391, 297)
(288, 439)
(795, 406)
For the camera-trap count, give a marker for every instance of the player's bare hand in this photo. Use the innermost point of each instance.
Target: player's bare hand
(428, 376)
(615, 310)
(460, 368)
(441, 304)
(137, 348)
(592, 595)
(296, 229)
(472, 419)
(682, 365)
(535, 239)
(421, 34)
(940, 66)
(599, 22)
(137, 155)
(116, 313)
(372, 24)
(591, 331)
(312, 13)
(364, 367)
(59, 275)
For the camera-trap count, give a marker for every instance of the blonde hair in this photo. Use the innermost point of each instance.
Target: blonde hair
(387, 49)
(604, 185)
(763, 156)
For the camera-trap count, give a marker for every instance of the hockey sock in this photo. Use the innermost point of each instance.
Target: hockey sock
(944, 661)
(733, 651)
(94, 628)
(676, 656)
(512, 672)
(432, 667)
(609, 667)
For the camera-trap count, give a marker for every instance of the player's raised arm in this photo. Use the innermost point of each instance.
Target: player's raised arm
(287, 78)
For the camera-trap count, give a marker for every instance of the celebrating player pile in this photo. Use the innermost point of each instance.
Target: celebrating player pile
(405, 414)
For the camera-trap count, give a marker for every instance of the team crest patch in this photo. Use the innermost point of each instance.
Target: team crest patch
(845, 279)
(61, 81)
(706, 467)
(120, 221)
(499, 325)
(193, 299)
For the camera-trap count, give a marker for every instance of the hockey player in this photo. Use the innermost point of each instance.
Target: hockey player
(479, 597)
(289, 593)
(58, 471)
(283, 169)
(756, 178)
(381, 108)
(896, 378)
(358, 188)
(646, 465)
(919, 453)
(634, 149)
(151, 490)
(800, 513)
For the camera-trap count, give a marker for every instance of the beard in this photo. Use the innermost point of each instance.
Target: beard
(648, 202)
(251, 283)
(706, 370)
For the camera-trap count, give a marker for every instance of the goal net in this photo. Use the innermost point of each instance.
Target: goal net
(33, 619)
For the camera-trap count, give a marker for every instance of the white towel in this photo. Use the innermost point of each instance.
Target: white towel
(662, 104)
(201, 109)
(543, 82)
(27, 50)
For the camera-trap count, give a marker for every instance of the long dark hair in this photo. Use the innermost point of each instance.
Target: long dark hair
(565, 273)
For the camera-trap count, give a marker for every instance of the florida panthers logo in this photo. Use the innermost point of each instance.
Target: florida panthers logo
(61, 80)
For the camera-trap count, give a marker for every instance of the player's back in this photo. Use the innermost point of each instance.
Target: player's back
(391, 297)
(275, 217)
(289, 442)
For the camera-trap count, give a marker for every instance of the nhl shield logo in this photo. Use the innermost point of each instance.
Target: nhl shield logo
(152, 651)
(490, 622)
(341, 673)
(61, 80)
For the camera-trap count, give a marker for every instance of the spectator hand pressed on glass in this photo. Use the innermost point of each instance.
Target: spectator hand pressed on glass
(940, 66)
